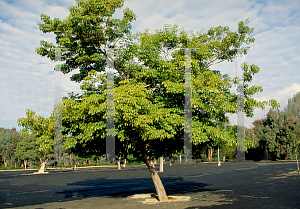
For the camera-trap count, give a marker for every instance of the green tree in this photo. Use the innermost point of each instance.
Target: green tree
(251, 138)
(28, 150)
(42, 129)
(5, 141)
(149, 88)
(8, 140)
(275, 134)
(293, 106)
(16, 138)
(293, 110)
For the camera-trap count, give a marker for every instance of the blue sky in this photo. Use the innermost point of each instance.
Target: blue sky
(27, 79)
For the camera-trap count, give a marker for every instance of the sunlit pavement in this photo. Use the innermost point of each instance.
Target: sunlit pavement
(231, 185)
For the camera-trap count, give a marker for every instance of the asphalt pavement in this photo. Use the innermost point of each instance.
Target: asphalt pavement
(189, 186)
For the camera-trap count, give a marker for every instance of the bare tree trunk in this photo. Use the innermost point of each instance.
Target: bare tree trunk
(119, 164)
(5, 161)
(171, 159)
(42, 168)
(210, 155)
(297, 159)
(160, 190)
(66, 164)
(161, 162)
(124, 164)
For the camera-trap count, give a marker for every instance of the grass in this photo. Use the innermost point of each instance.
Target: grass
(134, 163)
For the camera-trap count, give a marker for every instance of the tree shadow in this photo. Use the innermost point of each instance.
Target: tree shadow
(113, 188)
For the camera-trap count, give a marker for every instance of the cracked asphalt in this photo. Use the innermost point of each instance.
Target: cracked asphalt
(231, 185)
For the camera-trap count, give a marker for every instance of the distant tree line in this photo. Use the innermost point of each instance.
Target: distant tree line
(17, 151)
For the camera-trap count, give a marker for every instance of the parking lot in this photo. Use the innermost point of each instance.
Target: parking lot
(231, 185)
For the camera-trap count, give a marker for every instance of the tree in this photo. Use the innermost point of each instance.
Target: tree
(8, 141)
(28, 150)
(275, 134)
(16, 138)
(5, 141)
(251, 138)
(293, 106)
(293, 110)
(42, 129)
(149, 89)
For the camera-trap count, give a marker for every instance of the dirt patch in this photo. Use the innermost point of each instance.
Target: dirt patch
(153, 199)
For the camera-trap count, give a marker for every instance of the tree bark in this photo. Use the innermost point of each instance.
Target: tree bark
(124, 163)
(297, 159)
(42, 168)
(160, 190)
(119, 163)
(161, 166)
(210, 152)
(171, 159)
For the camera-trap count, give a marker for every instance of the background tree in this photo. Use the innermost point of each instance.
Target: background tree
(149, 88)
(41, 128)
(293, 106)
(8, 141)
(16, 138)
(28, 150)
(251, 138)
(293, 110)
(275, 134)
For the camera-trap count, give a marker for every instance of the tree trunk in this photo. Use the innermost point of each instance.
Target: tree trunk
(297, 160)
(42, 168)
(25, 164)
(210, 152)
(119, 163)
(124, 163)
(154, 161)
(5, 161)
(171, 159)
(160, 190)
(161, 167)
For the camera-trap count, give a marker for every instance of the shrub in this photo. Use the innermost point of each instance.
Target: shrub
(107, 163)
(135, 163)
(60, 165)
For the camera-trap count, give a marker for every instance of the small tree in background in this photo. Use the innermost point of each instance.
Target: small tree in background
(28, 150)
(275, 134)
(42, 129)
